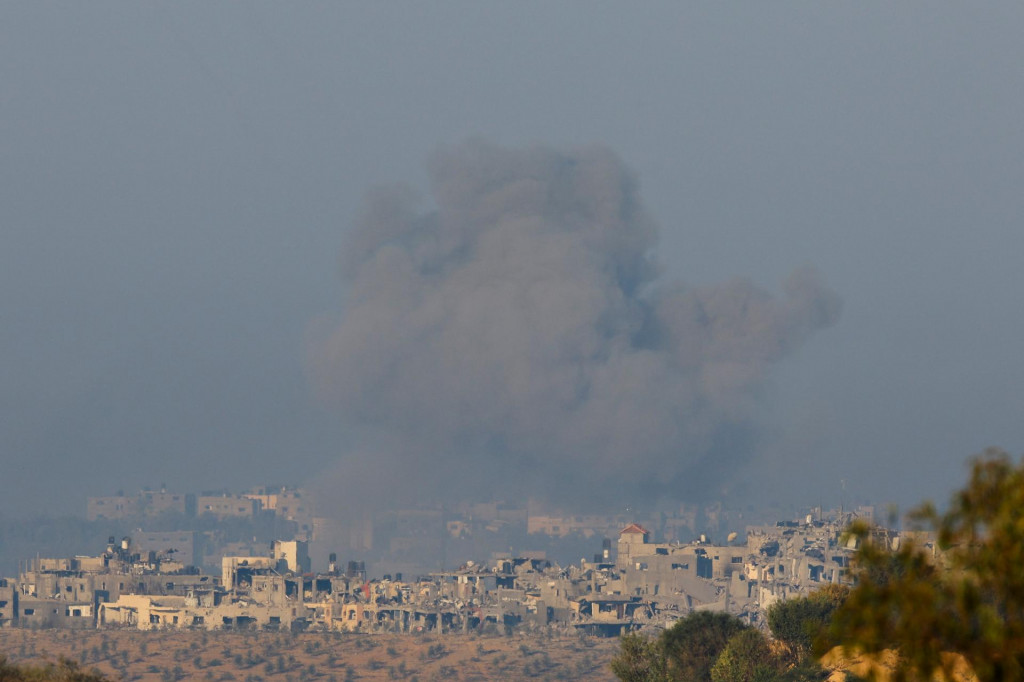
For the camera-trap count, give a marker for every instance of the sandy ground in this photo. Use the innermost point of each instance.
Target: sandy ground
(166, 656)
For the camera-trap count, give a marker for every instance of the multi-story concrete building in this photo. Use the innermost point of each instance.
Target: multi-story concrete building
(145, 581)
(8, 602)
(178, 546)
(112, 507)
(228, 506)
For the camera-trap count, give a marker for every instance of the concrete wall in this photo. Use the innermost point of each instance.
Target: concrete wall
(178, 545)
(114, 507)
(8, 603)
(155, 502)
(227, 506)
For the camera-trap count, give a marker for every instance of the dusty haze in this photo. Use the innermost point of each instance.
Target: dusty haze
(516, 338)
(177, 181)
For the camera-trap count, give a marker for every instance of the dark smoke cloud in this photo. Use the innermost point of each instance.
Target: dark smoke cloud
(519, 335)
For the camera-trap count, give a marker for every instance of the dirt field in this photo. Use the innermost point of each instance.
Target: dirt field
(166, 656)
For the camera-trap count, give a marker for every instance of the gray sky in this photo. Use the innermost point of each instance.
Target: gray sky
(176, 181)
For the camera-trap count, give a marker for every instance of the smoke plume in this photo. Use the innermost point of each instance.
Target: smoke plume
(516, 338)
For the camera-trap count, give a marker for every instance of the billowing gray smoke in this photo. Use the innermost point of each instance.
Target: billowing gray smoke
(518, 335)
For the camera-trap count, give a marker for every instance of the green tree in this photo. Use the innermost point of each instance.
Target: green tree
(640, 659)
(684, 652)
(746, 658)
(799, 622)
(694, 643)
(967, 598)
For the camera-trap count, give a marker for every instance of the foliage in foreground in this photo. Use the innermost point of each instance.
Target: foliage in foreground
(967, 601)
(640, 659)
(716, 647)
(745, 658)
(694, 643)
(803, 622)
(64, 671)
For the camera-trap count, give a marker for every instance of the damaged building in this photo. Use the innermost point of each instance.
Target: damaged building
(632, 583)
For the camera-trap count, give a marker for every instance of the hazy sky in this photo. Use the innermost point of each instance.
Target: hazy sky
(177, 179)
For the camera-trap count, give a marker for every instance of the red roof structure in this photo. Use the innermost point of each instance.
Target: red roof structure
(635, 528)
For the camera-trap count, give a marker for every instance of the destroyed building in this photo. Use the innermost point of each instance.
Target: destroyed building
(146, 581)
